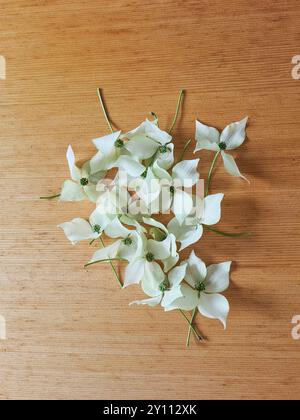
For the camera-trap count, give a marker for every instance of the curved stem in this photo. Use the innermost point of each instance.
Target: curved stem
(185, 147)
(230, 235)
(198, 336)
(190, 329)
(51, 197)
(210, 173)
(112, 266)
(104, 110)
(180, 97)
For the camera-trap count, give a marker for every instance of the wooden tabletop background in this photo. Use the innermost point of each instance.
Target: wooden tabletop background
(70, 331)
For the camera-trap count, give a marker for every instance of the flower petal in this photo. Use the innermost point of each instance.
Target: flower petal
(186, 171)
(166, 160)
(115, 229)
(217, 279)
(149, 189)
(106, 253)
(106, 143)
(170, 262)
(196, 270)
(231, 166)
(71, 192)
(207, 137)
(78, 230)
(187, 302)
(234, 134)
(91, 192)
(185, 233)
(212, 209)
(155, 133)
(75, 172)
(152, 222)
(160, 250)
(170, 296)
(134, 272)
(177, 274)
(131, 166)
(182, 205)
(153, 301)
(153, 277)
(214, 306)
(142, 147)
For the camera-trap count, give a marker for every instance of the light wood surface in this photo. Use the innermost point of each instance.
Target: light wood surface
(70, 331)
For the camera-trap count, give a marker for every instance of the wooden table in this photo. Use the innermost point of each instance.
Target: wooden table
(70, 331)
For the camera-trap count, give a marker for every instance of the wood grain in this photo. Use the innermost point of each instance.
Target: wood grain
(70, 332)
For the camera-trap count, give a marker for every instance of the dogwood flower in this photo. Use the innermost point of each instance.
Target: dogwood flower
(150, 252)
(202, 289)
(191, 230)
(147, 140)
(233, 135)
(162, 288)
(113, 153)
(82, 184)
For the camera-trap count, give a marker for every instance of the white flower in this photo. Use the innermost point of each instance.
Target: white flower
(209, 138)
(162, 288)
(203, 289)
(172, 196)
(147, 140)
(191, 230)
(82, 184)
(113, 153)
(150, 252)
(80, 229)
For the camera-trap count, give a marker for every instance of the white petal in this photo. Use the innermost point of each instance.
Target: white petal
(217, 279)
(196, 270)
(71, 192)
(161, 173)
(142, 147)
(212, 209)
(153, 277)
(155, 133)
(177, 275)
(170, 296)
(214, 306)
(152, 222)
(170, 262)
(91, 192)
(130, 252)
(134, 272)
(149, 189)
(78, 230)
(100, 219)
(182, 205)
(101, 162)
(129, 165)
(107, 143)
(234, 134)
(160, 250)
(187, 302)
(186, 234)
(115, 229)
(74, 170)
(153, 301)
(207, 137)
(106, 253)
(186, 171)
(231, 166)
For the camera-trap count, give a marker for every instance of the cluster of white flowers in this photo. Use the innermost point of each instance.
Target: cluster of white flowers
(146, 184)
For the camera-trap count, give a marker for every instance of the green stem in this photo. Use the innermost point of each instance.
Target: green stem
(104, 110)
(230, 235)
(51, 197)
(180, 97)
(112, 266)
(210, 173)
(190, 329)
(197, 335)
(185, 147)
(104, 260)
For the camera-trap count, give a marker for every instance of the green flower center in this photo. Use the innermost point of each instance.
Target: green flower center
(163, 149)
(172, 190)
(97, 228)
(200, 286)
(84, 181)
(127, 241)
(144, 174)
(222, 145)
(164, 285)
(119, 143)
(149, 257)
